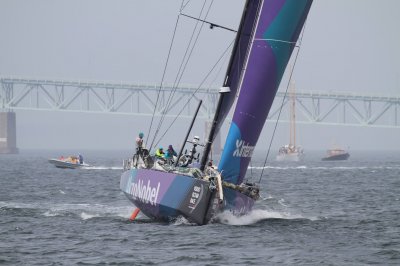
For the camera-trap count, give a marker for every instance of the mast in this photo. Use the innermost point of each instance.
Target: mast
(292, 115)
(223, 91)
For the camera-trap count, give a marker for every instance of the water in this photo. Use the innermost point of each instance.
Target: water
(330, 213)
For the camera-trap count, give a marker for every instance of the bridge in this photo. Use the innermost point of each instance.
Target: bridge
(316, 107)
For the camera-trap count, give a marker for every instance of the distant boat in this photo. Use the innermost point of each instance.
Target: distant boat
(71, 162)
(291, 152)
(336, 154)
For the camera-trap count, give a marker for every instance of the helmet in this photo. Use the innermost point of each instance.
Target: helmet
(160, 148)
(170, 147)
(141, 135)
(196, 139)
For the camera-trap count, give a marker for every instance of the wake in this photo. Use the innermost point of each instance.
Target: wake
(82, 211)
(102, 168)
(257, 216)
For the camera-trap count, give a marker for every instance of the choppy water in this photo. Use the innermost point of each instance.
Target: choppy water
(330, 213)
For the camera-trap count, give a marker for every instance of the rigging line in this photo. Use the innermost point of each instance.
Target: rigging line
(185, 58)
(212, 25)
(163, 77)
(166, 106)
(251, 170)
(274, 40)
(284, 97)
(206, 77)
(184, 64)
(192, 49)
(217, 74)
(188, 58)
(183, 6)
(164, 72)
(181, 71)
(174, 87)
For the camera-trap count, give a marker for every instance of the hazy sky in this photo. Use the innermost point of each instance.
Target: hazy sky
(349, 45)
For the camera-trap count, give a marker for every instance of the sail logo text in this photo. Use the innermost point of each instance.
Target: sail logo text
(145, 193)
(243, 149)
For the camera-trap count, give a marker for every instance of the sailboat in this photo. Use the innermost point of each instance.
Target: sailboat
(291, 152)
(266, 37)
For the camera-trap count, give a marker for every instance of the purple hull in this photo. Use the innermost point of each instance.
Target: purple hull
(165, 196)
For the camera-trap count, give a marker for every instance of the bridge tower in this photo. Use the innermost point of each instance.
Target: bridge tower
(8, 133)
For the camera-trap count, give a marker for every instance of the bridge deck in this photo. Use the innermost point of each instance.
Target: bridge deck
(323, 107)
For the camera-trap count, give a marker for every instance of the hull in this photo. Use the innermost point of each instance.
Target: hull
(338, 157)
(165, 196)
(236, 202)
(63, 164)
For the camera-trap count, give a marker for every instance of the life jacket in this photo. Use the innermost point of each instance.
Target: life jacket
(159, 153)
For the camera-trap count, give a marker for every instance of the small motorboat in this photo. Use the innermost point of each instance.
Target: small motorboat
(336, 154)
(71, 162)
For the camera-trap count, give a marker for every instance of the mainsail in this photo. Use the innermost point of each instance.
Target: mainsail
(237, 60)
(275, 28)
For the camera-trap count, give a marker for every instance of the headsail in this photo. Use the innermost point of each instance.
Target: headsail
(277, 26)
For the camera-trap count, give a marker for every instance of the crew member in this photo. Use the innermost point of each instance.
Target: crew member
(170, 153)
(139, 143)
(160, 152)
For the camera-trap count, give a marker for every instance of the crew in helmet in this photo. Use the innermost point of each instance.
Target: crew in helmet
(139, 141)
(139, 144)
(160, 153)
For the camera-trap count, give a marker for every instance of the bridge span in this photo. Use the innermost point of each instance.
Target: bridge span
(315, 107)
